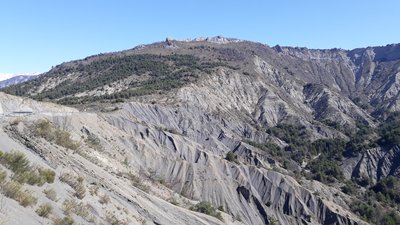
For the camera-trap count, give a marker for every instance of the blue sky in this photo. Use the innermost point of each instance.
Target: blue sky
(35, 35)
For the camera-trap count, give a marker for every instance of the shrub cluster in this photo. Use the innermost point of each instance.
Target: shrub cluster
(46, 130)
(23, 171)
(206, 208)
(14, 190)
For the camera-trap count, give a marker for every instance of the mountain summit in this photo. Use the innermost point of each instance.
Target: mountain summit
(212, 131)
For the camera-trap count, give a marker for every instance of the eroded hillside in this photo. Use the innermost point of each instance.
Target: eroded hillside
(245, 133)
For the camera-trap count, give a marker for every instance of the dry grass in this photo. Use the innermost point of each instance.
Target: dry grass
(78, 208)
(77, 183)
(51, 194)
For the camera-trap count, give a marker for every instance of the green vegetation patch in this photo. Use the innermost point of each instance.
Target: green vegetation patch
(156, 72)
(206, 208)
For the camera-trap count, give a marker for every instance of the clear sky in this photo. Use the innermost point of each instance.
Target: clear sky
(37, 34)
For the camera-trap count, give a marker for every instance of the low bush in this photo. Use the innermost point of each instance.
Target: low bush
(113, 220)
(63, 138)
(48, 175)
(231, 157)
(44, 210)
(78, 208)
(206, 208)
(43, 128)
(14, 190)
(3, 175)
(26, 198)
(50, 194)
(15, 161)
(63, 221)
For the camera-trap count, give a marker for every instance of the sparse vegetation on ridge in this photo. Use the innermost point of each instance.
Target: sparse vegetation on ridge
(45, 129)
(77, 183)
(157, 72)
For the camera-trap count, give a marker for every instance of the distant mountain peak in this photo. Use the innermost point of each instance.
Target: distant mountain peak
(6, 76)
(12, 79)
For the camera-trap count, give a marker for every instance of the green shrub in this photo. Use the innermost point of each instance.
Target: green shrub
(93, 141)
(350, 188)
(31, 177)
(48, 175)
(80, 191)
(113, 220)
(325, 170)
(390, 188)
(13, 189)
(69, 205)
(389, 130)
(15, 161)
(44, 210)
(374, 213)
(206, 208)
(231, 157)
(63, 138)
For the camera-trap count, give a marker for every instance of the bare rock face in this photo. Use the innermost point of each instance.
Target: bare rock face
(151, 139)
(375, 164)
